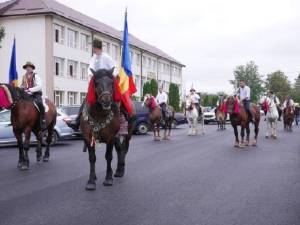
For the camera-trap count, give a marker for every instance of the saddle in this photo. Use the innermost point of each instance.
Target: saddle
(46, 107)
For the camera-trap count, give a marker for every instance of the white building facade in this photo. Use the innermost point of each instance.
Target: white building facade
(60, 47)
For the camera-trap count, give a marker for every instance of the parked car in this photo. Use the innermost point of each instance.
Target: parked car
(210, 116)
(61, 130)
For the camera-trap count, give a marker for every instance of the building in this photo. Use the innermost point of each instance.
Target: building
(58, 40)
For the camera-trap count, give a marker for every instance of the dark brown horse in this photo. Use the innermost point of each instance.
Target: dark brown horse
(156, 118)
(25, 119)
(100, 122)
(288, 118)
(239, 117)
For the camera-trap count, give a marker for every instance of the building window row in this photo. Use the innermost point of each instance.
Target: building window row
(72, 69)
(74, 39)
(73, 98)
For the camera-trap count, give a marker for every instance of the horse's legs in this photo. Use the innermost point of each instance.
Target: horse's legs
(236, 133)
(248, 134)
(242, 135)
(91, 184)
(121, 148)
(109, 173)
(27, 134)
(48, 141)
(19, 138)
(39, 145)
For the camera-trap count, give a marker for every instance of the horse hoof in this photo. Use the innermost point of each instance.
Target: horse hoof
(119, 173)
(90, 186)
(108, 182)
(24, 167)
(267, 137)
(38, 159)
(242, 146)
(19, 165)
(254, 144)
(45, 159)
(236, 145)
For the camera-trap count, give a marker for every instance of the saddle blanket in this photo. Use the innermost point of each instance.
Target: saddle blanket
(44, 103)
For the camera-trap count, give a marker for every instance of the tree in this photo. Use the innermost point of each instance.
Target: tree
(153, 87)
(209, 100)
(146, 89)
(296, 90)
(2, 34)
(253, 79)
(279, 84)
(174, 97)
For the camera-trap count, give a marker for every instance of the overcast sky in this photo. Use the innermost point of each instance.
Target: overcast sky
(211, 37)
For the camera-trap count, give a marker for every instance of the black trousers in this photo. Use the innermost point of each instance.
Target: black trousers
(163, 108)
(39, 101)
(246, 104)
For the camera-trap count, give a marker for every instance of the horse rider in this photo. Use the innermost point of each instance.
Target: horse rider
(195, 99)
(162, 99)
(99, 60)
(220, 103)
(288, 102)
(32, 85)
(245, 96)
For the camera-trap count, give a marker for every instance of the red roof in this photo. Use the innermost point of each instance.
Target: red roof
(30, 7)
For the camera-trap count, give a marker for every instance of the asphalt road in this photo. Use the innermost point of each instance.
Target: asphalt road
(188, 180)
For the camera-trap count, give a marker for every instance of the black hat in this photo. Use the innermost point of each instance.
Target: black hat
(29, 64)
(97, 43)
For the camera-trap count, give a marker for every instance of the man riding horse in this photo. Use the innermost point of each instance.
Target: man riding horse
(244, 94)
(101, 60)
(196, 99)
(32, 84)
(162, 99)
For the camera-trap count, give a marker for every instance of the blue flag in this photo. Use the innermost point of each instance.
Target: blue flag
(13, 74)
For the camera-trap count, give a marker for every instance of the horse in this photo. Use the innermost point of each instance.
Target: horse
(270, 107)
(157, 119)
(221, 116)
(102, 122)
(191, 113)
(25, 119)
(239, 117)
(288, 118)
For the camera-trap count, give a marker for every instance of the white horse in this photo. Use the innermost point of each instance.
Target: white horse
(192, 116)
(271, 116)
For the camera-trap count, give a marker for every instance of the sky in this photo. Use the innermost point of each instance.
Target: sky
(211, 37)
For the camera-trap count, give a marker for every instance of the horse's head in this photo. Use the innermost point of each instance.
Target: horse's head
(147, 100)
(104, 87)
(230, 101)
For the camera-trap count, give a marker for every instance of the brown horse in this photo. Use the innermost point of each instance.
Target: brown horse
(25, 119)
(288, 118)
(155, 117)
(221, 117)
(239, 117)
(101, 122)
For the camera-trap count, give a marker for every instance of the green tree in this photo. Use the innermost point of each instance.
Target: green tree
(174, 97)
(146, 89)
(209, 100)
(296, 90)
(278, 83)
(2, 34)
(253, 79)
(153, 87)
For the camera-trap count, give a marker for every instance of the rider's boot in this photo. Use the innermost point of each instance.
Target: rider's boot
(75, 124)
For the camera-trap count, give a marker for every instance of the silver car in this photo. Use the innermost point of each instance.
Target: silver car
(61, 129)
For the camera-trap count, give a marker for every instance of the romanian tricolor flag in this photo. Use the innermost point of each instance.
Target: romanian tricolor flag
(126, 82)
(13, 74)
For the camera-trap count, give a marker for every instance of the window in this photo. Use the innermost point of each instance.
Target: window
(154, 65)
(59, 98)
(72, 38)
(106, 47)
(84, 71)
(137, 80)
(168, 69)
(58, 34)
(114, 52)
(72, 98)
(72, 69)
(84, 45)
(164, 68)
(144, 61)
(137, 59)
(82, 97)
(131, 56)
(59, 66)
(149, 63)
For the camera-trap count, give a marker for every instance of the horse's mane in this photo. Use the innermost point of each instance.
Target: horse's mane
(99, 74)
(16, 92)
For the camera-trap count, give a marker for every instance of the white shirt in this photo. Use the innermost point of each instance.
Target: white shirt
(277, 100)
(102, 61)
(285, 103)
(195, 98)
(245, 93)
(162, 97)
(37, 85)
